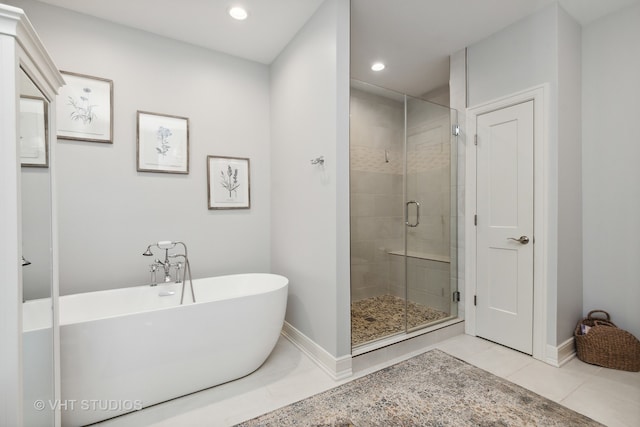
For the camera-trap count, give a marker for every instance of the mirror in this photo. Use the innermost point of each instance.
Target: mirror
(38, 359)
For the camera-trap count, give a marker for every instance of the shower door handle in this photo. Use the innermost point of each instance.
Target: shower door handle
(417, 213)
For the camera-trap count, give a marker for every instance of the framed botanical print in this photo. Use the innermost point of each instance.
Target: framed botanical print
(85, 108)
(163, 143)
(228, 184)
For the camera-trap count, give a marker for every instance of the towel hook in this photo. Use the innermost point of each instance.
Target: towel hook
(318, 161)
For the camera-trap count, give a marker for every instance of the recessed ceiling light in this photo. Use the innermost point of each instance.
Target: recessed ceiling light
(238, 13)
(378, 66)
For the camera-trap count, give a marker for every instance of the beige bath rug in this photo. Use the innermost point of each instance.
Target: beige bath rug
(432, 389)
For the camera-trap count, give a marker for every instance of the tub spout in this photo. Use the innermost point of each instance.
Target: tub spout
(167, 267)
(178, 268)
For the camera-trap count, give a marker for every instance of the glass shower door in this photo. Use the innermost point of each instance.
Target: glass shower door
(377, 119)
(430, 213)
(403, 214)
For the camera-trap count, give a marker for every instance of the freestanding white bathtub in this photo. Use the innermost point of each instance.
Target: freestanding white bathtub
(129, 348)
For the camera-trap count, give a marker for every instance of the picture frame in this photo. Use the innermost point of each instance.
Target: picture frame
(34, 132)
(84, 110)
(228, 182)
(162, 143)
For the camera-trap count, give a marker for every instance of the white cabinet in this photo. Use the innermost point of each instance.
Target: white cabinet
(25, 67)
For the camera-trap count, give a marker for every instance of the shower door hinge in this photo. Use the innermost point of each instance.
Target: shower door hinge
(475, 220)
(456, 296)
(455, 130)
(475, 300)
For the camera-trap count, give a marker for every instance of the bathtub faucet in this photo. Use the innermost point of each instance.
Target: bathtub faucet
(166, 265)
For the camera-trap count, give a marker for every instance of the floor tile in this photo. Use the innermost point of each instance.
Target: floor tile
(500, 361)
(547, 380)
(609, 396)
(285, 377)
(226, 412)
(624, 377)
(610, 402)
(578, 366)
(465, 346)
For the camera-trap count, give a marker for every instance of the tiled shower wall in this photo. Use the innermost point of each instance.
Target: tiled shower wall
(377, 124)
(377, 224)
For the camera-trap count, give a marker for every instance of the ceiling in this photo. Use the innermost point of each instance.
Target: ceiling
(261, 37)
(413, 37)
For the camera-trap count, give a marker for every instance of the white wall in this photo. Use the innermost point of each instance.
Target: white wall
(518, 57)
(537, 50)
(310, 204)
(570, 282)
(108, 212)
(611, 176)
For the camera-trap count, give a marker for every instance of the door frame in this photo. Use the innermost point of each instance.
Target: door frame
(540, 96)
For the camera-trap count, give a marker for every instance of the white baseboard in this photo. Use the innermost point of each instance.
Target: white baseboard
(558, 356)
(338, 368)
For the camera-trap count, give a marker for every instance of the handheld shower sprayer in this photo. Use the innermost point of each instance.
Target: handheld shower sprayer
(163, 244)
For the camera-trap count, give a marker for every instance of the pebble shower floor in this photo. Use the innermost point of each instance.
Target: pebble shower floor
(381, 316)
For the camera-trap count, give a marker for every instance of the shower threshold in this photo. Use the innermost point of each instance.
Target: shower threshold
(377, 344)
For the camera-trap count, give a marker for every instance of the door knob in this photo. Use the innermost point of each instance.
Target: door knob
(523, 239)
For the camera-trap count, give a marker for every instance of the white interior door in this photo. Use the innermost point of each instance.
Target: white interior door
(504, 289)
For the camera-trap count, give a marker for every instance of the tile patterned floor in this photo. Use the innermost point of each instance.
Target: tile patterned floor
(381, 316)
(608, 396)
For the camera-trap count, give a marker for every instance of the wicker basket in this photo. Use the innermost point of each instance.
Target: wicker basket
(606, 345)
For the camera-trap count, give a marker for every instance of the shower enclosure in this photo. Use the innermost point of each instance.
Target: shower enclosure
(403, 214)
